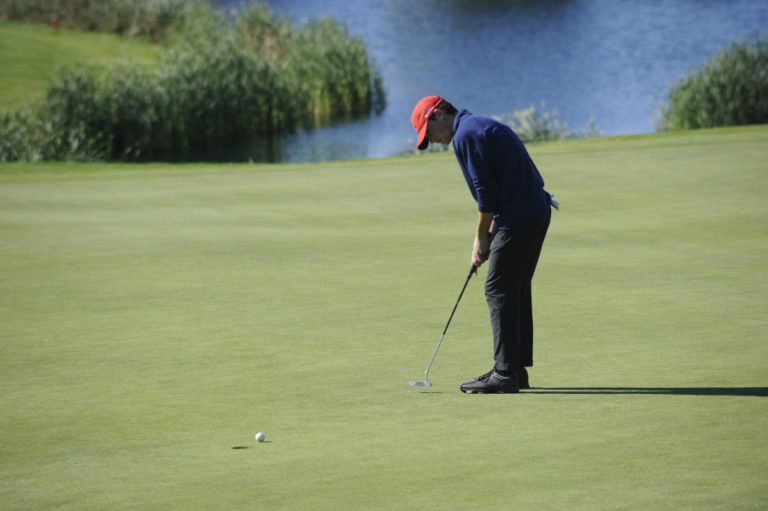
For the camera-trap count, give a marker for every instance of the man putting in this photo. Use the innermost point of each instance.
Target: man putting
(514, 213)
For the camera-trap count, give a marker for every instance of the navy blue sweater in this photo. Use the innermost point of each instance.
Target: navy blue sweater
(500, 174)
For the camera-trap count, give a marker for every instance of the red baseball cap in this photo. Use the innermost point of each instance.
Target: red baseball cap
(420, 116)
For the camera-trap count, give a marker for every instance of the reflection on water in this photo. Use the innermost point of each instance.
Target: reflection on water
(581, 57)
(329, 143)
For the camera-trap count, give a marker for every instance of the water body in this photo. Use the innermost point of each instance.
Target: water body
(610, 59)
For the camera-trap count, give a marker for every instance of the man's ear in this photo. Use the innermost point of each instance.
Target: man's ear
(438, 114)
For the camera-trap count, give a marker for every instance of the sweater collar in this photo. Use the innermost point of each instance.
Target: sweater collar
(459, 117)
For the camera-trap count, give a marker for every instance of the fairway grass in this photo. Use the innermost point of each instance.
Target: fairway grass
(31, 55)
(154, 317)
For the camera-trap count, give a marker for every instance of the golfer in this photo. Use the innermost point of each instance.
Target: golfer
(513, 217)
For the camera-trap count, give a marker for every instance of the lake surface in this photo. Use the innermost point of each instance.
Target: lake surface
(611, 59)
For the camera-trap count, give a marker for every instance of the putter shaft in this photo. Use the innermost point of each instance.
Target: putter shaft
(426, 383)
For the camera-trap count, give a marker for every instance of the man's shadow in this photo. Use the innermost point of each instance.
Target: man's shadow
(669, 391)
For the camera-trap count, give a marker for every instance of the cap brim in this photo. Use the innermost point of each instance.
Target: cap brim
(423, 140)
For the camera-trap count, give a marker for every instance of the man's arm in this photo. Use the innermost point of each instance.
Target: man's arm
(482, 248)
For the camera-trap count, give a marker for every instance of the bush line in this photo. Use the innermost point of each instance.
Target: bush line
(227, 78)
(729, 90)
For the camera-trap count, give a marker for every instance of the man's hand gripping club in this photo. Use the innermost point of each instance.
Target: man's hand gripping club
(486, 228)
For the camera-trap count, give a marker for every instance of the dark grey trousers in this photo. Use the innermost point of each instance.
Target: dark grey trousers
(513, 259)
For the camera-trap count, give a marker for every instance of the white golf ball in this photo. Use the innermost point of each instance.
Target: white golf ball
(259, 436)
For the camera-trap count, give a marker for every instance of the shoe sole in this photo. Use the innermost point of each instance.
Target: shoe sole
(504, 391)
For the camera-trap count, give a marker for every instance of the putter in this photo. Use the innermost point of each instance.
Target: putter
(426, 383)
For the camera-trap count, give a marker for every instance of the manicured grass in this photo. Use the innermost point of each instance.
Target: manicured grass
(30, 56)
(154, 317)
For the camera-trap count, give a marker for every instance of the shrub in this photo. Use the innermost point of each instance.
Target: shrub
(194, 102)
(731, 89)
(42, 133)
(534, 126)
(225, 82)
(330, 70)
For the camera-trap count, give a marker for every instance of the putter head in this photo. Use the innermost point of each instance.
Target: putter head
(424, 383)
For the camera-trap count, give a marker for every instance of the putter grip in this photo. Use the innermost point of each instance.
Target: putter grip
(472, 270)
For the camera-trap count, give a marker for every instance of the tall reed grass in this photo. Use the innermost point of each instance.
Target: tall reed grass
(731, 89)
(224, 80)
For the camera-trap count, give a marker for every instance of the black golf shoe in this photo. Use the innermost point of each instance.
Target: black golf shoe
(483, 377)
(491, 383)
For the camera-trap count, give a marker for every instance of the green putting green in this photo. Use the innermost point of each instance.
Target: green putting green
(153, 318)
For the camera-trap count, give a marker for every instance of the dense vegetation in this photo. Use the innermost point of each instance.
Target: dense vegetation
(532, 125)
(730, 90)
(226, 78)
(155, 19)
